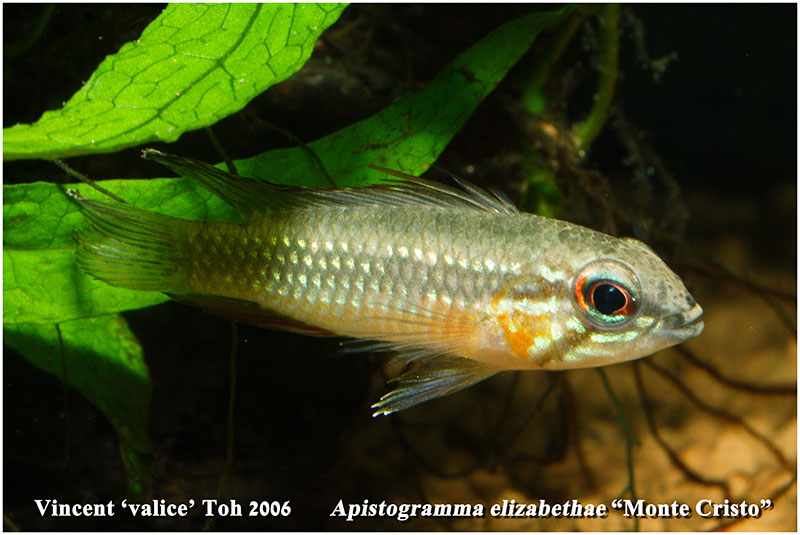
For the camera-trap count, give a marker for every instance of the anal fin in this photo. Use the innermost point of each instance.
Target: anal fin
(246, 311)
(435, 377)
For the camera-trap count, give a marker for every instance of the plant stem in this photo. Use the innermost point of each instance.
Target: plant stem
(533, 98)
(17, 48)
(609, 60)
(630, 488)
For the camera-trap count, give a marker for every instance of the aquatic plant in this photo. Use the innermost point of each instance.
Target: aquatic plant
(192, 66)
(664, 428)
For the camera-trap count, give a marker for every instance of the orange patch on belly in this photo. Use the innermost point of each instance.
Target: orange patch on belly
(521, 330)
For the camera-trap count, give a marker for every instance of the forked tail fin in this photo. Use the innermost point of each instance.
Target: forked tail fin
(131, 248)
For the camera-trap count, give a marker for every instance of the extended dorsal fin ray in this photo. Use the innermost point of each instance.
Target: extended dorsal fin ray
(469, 195)
(250, 196)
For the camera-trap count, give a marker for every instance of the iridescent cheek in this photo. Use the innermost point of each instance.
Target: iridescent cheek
(595, 345)
(609, 338)
(643, 322)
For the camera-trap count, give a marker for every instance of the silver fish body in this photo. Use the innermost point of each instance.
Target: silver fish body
(458, 280)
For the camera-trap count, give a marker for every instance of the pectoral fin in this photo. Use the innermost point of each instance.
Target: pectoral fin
(434, 378)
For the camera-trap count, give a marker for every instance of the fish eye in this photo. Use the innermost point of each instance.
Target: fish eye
(606, 291)
(609, 298)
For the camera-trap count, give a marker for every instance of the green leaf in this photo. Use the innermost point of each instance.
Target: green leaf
(410, 134)
(194, 65)
(102, 359)
(41, 281)
(42, 284)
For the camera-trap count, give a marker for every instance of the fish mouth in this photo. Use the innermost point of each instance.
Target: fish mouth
(684, 325)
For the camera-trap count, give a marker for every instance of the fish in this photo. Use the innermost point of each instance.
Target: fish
(455, 279)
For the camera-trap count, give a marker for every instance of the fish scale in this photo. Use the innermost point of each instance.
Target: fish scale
(456, 280)
(406, 272)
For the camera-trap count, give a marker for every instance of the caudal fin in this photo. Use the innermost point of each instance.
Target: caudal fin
(131, 248)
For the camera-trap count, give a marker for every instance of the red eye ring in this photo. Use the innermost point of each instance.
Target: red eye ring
(579, 293)
(604, 297)
(606, 292)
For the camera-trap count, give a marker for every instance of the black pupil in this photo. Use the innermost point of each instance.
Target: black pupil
(607, 298)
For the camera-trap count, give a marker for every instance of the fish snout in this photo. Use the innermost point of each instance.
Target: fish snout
(683, 325)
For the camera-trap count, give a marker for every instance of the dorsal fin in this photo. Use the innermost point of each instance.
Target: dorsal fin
(471, 196)
(249, 196)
